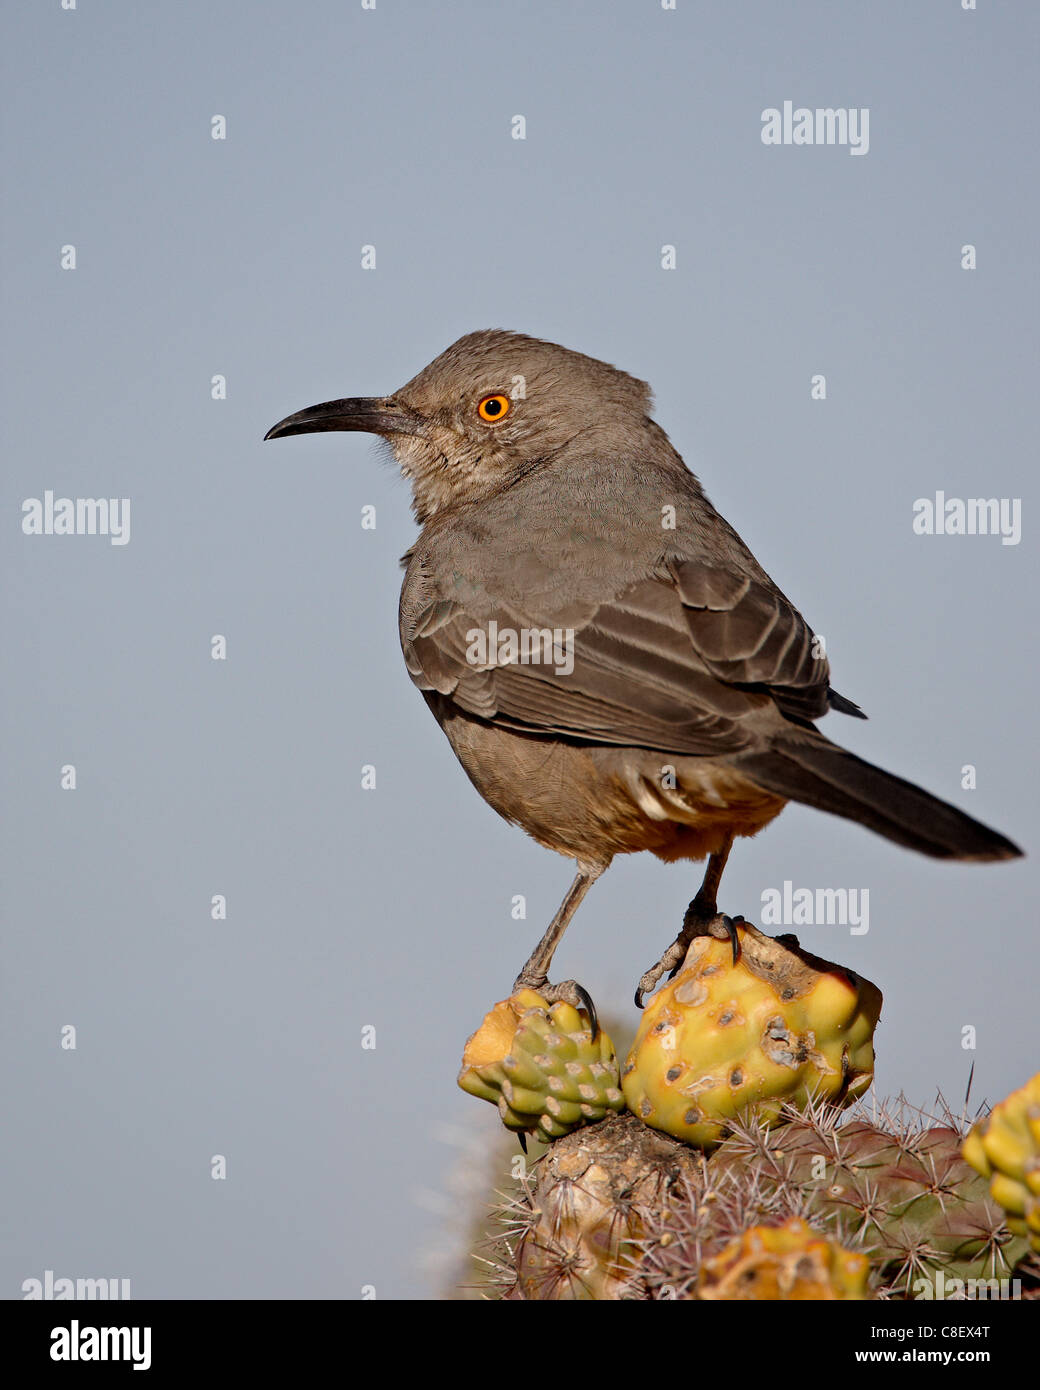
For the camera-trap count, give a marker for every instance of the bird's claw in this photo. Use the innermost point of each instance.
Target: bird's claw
(569, 991)
(695, 924)
(721, 927)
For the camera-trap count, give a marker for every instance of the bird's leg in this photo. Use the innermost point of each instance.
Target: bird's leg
(702, 919)
(535, 974)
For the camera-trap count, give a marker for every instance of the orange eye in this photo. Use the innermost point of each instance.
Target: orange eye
(493, 408)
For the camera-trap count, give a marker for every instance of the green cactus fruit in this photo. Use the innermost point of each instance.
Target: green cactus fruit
(778, 1025)
(541, 1066)
(791, 1262)
(1005, 1149)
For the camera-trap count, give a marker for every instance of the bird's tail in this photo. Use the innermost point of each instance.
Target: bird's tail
(818, 773)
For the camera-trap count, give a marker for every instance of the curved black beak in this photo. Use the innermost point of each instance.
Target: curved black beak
(373, 414)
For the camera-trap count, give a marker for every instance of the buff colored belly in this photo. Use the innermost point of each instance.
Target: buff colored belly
(593, 803)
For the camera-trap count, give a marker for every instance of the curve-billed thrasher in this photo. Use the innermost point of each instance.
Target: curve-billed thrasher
(613, 668)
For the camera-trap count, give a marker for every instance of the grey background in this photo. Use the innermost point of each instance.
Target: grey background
(242, 777)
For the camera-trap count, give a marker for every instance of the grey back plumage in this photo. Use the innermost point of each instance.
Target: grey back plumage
(682, 642)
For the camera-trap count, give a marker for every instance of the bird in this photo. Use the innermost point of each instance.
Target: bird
(611, 665)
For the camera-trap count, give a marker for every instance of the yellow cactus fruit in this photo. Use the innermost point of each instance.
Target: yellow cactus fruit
(790, 1262)
(1005, 1147)
(541, 1066)
(779, 1025)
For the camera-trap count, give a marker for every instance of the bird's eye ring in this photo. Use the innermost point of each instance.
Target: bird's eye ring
(494, 408)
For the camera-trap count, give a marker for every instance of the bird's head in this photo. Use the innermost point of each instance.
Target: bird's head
(490, 408)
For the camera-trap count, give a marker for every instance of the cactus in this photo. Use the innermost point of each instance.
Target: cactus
(900, 1188)
(574, 1231)
(742, 1171)
(777, 1025)
(622, 1212)
(1005, 1149)
(541, 1066)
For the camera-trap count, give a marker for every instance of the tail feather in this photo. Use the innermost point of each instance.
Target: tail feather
(818, 773)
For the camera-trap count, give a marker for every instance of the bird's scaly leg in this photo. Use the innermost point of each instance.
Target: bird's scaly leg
(535, 974)
(702, 919)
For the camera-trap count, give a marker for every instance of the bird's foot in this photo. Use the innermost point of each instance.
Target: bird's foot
(567, 990)
(702, 919)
